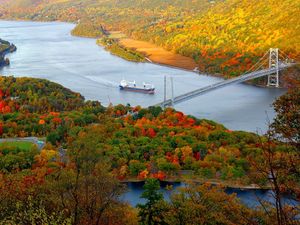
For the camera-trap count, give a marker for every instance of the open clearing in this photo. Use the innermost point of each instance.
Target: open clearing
(24, 145)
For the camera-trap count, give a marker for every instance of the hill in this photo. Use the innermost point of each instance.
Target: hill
(36, 96)
(35, 107)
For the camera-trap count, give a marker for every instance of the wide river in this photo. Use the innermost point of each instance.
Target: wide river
(47, 50)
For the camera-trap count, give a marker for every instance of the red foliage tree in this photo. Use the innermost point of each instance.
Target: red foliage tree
(151, 132)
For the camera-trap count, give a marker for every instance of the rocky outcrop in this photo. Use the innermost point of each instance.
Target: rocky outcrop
(5, 48)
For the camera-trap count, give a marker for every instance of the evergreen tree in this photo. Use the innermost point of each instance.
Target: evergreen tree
(151, 212)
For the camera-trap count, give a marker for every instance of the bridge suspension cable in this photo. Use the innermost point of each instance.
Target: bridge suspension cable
(268, 65)
(286, 56)
(257, 63)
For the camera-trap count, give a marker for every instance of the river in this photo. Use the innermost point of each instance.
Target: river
(47, 50)
(251, 198)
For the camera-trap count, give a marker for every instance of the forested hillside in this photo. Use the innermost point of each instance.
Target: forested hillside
(36, 95)
(221, 36)
(89, 149)
(35, 107)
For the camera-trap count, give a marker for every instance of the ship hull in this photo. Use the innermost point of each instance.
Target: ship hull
(140, 90)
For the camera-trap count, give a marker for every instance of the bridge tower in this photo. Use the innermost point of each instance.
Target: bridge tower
(273, 79)
(172, 91)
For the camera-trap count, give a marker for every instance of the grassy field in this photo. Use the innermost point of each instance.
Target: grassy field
(23, 145)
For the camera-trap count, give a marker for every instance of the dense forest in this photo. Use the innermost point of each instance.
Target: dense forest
(90, 149)
(221, 36)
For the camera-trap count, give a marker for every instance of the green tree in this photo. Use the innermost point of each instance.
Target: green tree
(135, 167)
(53, 137)
(150, 213)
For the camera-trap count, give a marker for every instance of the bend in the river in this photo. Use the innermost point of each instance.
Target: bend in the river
(47, 50)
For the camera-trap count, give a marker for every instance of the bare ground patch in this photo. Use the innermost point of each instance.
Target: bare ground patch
(158, 54)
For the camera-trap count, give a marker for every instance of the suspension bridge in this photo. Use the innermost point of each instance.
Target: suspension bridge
(269, 65)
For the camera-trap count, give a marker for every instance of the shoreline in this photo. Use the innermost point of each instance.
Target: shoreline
(225, 184)
(149, 59)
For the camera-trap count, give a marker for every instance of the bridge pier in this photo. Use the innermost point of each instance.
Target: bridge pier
(273, 79)
(172, 91)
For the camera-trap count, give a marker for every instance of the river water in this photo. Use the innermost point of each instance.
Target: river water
(47, 50)
(251, 198)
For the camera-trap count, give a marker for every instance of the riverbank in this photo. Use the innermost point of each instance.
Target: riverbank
(117, 43)
(225, 184)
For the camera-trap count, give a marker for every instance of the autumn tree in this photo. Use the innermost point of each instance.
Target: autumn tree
(87, 188)
(81, 191)
(273, 168)
(278, 163)
(206, 204)
(287, 121)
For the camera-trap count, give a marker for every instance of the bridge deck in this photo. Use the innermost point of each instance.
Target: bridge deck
(203, 90)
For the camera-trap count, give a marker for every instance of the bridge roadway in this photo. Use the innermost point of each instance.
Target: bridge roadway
(240, 79)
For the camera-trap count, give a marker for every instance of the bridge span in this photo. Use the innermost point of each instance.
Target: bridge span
(274, 66)
(206, 89)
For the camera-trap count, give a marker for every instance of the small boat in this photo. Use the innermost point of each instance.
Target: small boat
(131, 86)
(196, 69)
